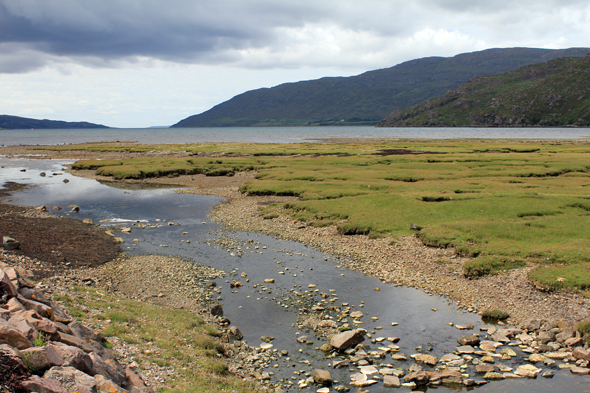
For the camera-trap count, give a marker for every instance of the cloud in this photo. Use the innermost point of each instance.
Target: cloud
(267, 33)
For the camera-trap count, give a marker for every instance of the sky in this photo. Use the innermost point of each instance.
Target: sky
(142, 63)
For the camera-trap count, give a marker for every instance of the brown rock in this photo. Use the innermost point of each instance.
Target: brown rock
(42, 358)
(472, 340)
(12, 336)
(42, 309)
(39, 323)
(347, 339)
(33, 294)
(71, 379)
(420, 378)
(104, 385)
(6, 284)
(19, 321)
(75, 357)
(86, 346)
(217, 310)
(484, 368)
(426, 359)
(107, 368)
(85, 333)
(43, 385)
(134, 381)
(580, 353)
(391, 381)
(14, 305)
(322, 377)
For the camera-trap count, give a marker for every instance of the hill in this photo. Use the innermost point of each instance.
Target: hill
(21, 123)
(367, 98)
(555, 93)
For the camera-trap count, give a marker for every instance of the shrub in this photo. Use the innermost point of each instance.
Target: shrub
(495, 314)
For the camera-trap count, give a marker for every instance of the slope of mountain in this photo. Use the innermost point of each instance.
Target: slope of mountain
(20, 123)
(367, 98)
(555, 93)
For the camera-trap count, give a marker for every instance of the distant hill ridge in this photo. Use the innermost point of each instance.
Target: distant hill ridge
(21, 123)
(555, 93)
(367, 98)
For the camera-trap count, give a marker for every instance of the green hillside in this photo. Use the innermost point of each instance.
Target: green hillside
(555, 93)
(367, 98)
(23, 123)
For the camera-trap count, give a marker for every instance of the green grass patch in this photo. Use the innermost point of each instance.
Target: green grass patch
(495, 315)
(559, 276)
(476, 199)
(166, 337)
(489, 264)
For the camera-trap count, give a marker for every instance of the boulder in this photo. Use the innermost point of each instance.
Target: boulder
(234, 333)
(86, 346)
(12, 336)
(545, 337)
(528, 371)
(347, 339)
(106, 385)
(42, 358)
(106, 368)
(580, 353)
(322, 377)
(42, 385)
(71, 379)
(85, 333)
(33, 294)
(134, 381)
(19, 321)
(6, 286)
(14, 305)
(74, 357)
(10, 243)
(42, 309)
(39, 323)
(580, 370)
(59, 314)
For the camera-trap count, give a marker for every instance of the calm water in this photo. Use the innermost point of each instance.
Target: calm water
(272, 134)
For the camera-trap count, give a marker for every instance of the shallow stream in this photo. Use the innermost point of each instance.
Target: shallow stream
(270, 309)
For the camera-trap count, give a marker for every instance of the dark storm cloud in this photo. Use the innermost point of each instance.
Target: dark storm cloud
(112, 29)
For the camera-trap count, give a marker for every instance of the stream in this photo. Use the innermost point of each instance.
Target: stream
(423, 322)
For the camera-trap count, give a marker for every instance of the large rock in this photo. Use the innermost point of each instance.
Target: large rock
(43, 385)
(322, 377)
(426, 359)
(85, 333)
(347, 339)
(42, 309)
(217, 310)
(33, 294)
(75, 357)
(106, 368)
(12, 336)
(42, 358)
(59, 314)
(6, 286)
(71, 379)
(234, 333)
(86, 346)
(581, 353)
(10, 243)
(39, 323)
(19, 321)
(107, 386)
(391, 381)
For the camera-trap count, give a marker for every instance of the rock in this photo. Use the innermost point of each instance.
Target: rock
(356, 314)
(75, 357)
(20, 323)
(580, 353)
(449, 358)
(534, 325)
(327, 323)
(347, 339)
(326, 348)
(391, 381)
(118, 240)
(528, 371)
(548, 374)
(269, 280)
(484, 368)
(234, 333)
(322, 377)
(88, 221)
(426, 359)
(42, 309)
(87, 346)
(106, 368)
(465, 349)
(33, 294)
(12, 336)
(10, 243)
(42, 358)
(420, 378)
(134, 383)
(42, 385)
(107, 386)
(574, 342)
(493, 376)
(536, 357)
(472, 340)
(71, 379)
(59, 314)
(489, 346)
(84, 332)
(217, 310)
(368, 370)
(580, 370)
(545, 337)
(38, 322)
(415, 227)
(6, 286)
